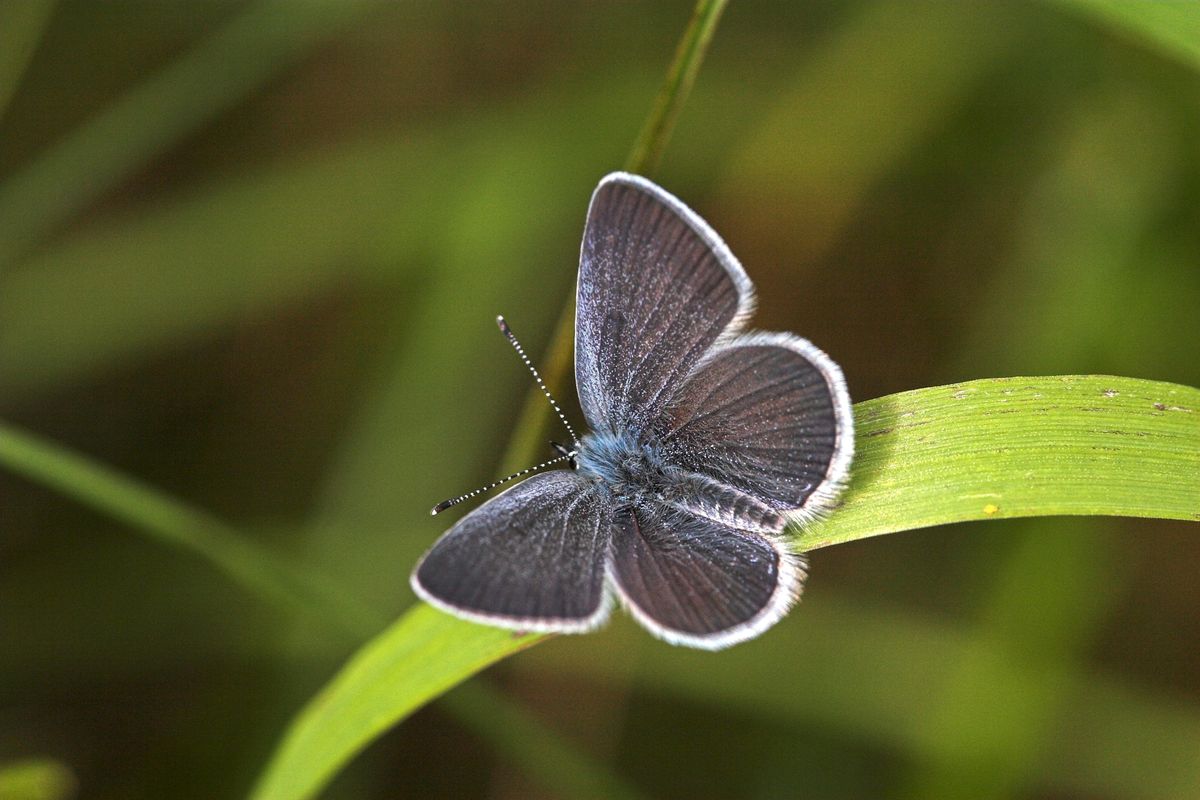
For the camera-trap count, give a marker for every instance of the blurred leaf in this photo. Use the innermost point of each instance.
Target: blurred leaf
(1170, 26)
(1080, 255)
(36, 779)
(866, 671)
(386, 208)
(21, 25)
(266, 575)
(177, 525)
(1050, 597)
(506, 727)
(83, 607)
(985, 449)
(862, 99)
(251, 49)
(200, 262)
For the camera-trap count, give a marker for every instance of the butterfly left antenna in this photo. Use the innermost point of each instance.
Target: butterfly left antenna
(568, 454)
(442, 506)
(512, 339)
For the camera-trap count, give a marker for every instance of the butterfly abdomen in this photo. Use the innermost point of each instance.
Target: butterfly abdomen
(711, 499)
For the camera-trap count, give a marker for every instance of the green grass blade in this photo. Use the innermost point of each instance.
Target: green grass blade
(516, 734)
(1020, 447)
(652, 140)
(985, 449)
(422, 655)
(248, 51)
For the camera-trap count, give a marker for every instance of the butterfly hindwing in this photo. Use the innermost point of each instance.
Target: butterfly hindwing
(696, 582)
(768, 415)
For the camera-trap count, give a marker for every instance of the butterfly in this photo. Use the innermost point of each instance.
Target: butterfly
(705, 442)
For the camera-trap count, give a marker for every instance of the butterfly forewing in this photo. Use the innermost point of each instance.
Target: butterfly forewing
(531, 558)
(656, 288)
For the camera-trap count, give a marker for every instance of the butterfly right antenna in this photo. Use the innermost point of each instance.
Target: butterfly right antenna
(512, 339)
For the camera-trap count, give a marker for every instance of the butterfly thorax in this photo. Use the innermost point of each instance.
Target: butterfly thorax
(622, 465)
(635, 472)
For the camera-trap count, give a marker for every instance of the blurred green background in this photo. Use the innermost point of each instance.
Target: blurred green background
(251, 254)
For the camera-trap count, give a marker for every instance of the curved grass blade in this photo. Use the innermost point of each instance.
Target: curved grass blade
(1020, 447)
(993, 448)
